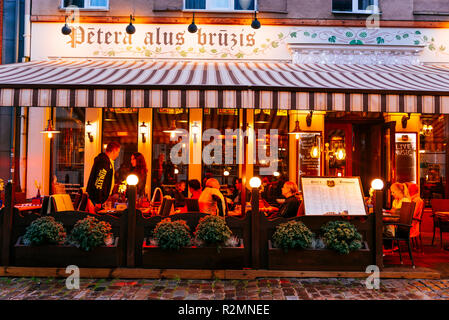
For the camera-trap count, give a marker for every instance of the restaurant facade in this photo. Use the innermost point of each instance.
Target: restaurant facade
(200, 90)
(373, 100)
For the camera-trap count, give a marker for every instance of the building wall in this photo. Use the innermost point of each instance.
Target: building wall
(413, 10)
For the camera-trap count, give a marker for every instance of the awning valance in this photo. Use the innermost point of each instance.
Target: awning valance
(209, 84)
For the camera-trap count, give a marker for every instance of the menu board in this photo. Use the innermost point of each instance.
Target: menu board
(406, 157)
(308, 166)
(332, 196)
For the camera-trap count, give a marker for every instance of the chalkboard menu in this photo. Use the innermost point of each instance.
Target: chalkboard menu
(405, 157)
(328, 195)
(308, 166)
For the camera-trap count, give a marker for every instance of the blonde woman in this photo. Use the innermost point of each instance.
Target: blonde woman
(291, 205)
(400, 194)
(211, 200)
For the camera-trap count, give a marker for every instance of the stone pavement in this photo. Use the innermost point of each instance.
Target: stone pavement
(259, 289)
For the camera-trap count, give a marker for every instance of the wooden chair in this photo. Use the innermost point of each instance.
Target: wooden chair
(438, 205)
(402, 230)
(417, 240)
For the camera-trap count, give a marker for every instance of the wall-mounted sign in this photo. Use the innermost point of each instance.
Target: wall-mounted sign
(309, 166)
(220, 42)
(406, 157)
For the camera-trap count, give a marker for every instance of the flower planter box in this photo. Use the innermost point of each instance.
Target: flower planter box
(64, 255)
(193, 257)
(319, 259)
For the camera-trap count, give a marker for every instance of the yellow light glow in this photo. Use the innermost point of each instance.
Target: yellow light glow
(340, 154)
(50, 135)
(176, 171)
(132, 180)
(276, 174)
(315, 152)
(226, 173)
(255, 182)
(377, 184)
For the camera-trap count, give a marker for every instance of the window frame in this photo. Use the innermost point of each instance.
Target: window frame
(208, 9)
(87, 6)
(355, 8)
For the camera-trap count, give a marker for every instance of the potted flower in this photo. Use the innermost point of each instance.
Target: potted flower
(339, 247)
(213, 247)
(90, 244)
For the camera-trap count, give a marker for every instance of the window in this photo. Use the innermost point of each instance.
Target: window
(68, 157)
(170, 148)
(220, 5)
(120, 125)
(86, 4)
(222, 168)
(354, 6)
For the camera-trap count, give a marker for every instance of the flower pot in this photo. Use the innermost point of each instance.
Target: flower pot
(319, 259)
(193, 257)
(65, 255)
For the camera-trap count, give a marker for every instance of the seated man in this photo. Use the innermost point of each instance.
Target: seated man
(291, 205)
(178, 194)
(210, 197)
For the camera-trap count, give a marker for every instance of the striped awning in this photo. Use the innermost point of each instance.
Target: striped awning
(182, 84)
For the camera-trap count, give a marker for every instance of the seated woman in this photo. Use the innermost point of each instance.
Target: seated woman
(400, 194)
(211, 201)
(413, 190)
(139, 168)
(291, 205)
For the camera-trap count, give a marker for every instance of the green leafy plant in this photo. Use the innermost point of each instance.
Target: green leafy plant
(212, 230)
(291, 235)
(172, 234)
(341, 236)
(45, 230)
(90, 233)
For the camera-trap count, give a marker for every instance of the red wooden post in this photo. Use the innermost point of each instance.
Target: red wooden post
(255, 229)
(378, 229)
(131, 243)
(8, 212)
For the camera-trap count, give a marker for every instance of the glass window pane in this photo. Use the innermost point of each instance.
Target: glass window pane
(170, 130)
(221, 119)
(78, 3)
(364, 4)
(244, 4)
(432, 151)
(218, 4)
(342, 5)
(195, 4)
(120, 125)
(68, 156)
(99, 3)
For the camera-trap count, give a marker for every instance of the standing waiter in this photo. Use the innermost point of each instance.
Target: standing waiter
(101, 179)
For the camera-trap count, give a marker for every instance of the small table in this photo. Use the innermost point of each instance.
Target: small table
(28, 207)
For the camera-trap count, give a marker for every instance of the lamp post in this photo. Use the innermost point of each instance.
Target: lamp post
(131, 181)
(378, 185)
(297, 132)
(255, 183)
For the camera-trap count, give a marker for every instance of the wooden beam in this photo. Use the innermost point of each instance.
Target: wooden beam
(8, 212)
(128, 273)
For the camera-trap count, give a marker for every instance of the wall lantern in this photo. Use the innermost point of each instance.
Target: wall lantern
(340, 154)
(49, 130)
(256, 23)
(427, 130)
(66, 30)
(315, 151)
(130, 29)
(297, 130)
(143, 129)
(195, 131)
(309, 119)
(192, 28)
(404, 120)
(89, 131)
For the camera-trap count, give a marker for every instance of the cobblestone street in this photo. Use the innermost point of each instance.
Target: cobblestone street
(260, 289)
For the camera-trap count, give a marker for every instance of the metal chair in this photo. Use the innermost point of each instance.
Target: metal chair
(402, 232)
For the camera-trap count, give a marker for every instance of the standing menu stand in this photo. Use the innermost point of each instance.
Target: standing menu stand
(332, 195)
